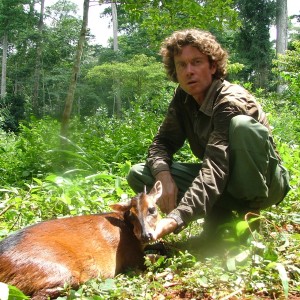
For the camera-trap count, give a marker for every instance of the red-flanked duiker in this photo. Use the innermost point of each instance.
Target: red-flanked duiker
(42, 258)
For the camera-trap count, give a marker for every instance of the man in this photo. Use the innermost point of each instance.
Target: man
(227, 130)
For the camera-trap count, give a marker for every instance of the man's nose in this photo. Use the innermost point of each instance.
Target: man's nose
(189, 69)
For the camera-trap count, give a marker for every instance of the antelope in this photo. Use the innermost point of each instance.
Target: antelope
(42, 258)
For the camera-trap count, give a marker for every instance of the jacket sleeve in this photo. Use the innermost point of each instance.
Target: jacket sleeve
(213, 175)
(168, 140)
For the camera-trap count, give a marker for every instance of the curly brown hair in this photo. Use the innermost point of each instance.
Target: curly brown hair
(204, 41)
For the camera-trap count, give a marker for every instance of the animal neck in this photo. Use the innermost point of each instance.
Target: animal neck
(126, 216)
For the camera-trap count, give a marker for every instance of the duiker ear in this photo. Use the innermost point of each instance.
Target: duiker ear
(156, 191)
(121, 206)
(124, 206)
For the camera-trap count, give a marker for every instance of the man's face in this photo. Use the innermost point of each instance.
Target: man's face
(194, 72)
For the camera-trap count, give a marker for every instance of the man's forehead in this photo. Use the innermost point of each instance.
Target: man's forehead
(191, 52)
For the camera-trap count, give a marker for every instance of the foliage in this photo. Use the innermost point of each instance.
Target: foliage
(287, 67)
(13, 16)
(56, 196)
(91, 174)
(97, 143)
(39, 180)
(59, 38)
(161, 18)
(138, 78)
(143, 26)
(12, 111)
(294, 30)
(253, 45)
(8, 292)
(25, 154)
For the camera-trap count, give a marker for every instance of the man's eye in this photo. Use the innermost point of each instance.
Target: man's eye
(180, 65)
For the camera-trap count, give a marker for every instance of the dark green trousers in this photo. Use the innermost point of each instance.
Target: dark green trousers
(256, 181)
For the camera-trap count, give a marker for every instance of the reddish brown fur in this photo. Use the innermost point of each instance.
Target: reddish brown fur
(41, 258)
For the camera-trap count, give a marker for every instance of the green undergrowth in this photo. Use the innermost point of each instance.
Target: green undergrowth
(39, 180)
(264, 265)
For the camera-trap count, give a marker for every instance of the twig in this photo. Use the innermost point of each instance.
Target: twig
(5, 209)
(232, 294)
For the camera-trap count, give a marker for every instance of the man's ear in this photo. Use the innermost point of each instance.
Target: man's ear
(213, 67)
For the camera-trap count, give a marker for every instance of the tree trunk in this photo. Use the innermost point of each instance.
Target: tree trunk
(75, 71)
(282, 33)
(281, 26)
(4, 63)
(115, 25)
(37, 72)
(117, 93)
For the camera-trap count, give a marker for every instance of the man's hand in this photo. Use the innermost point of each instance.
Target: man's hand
(168, 200)
(164, 227)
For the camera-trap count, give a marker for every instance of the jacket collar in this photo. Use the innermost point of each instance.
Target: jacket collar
(209, 100)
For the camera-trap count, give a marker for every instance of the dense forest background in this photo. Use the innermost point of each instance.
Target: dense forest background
(39, 46)
(113, 99)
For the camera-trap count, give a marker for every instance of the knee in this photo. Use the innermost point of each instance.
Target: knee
(133, 173)
(241, 123)
(138, 176)
(244, 127)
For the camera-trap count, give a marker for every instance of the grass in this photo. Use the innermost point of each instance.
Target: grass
(35, 186)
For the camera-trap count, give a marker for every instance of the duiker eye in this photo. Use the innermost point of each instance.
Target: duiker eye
(152, 210)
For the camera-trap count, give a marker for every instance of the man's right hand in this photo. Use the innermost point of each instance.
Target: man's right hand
(168, 200)
(164, 227)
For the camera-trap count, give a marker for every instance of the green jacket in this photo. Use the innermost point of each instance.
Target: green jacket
(206, 128)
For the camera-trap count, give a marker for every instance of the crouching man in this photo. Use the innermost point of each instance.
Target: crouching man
(239, 169)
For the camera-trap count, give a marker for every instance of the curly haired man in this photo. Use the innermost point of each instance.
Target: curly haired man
(239, 169)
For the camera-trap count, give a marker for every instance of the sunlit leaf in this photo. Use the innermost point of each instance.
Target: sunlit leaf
(230, 263)
(66, 199)
(242, 256)
(270, 254)
(284, 278)
(258, 245)
(202, 281)
(8, 292)
(285, 245)
(38, 181)
(241, 227)
(108, 284)
(224, 278)
(100, 176)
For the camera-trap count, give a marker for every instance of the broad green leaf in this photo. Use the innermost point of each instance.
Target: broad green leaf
(241, 227)
(38, 181)
(108, 284)
(66, 199)
(257, 259)
(230, 263)
(202, 281)
(296, 236)
(16, 294)
(270, 254)
(9, 292)
(285, 245)
(284, 278)
(271, 265)
(242, 256)
(224, 278)
(100, 176)
(258, 245)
